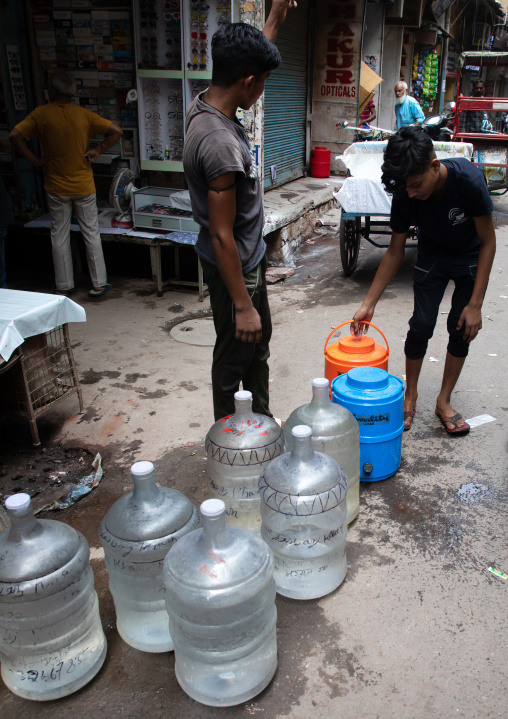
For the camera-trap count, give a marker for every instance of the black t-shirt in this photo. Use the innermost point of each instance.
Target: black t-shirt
(446, 228)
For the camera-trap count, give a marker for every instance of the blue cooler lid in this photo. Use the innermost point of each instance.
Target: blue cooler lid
(365, 378)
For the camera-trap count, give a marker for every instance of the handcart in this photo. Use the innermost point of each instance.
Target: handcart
(490, 137)
(365, 206)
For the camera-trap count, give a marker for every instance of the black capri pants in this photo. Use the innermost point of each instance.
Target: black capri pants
(430, 280)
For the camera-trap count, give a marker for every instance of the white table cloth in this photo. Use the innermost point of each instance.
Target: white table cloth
(25, 314)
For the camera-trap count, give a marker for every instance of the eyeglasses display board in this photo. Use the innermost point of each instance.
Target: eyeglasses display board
(173, 57)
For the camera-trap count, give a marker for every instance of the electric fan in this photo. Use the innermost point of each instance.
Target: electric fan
(120, 197)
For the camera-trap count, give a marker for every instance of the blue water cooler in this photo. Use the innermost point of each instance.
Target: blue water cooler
(376, 399)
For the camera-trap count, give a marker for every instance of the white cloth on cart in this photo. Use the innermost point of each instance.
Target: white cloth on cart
(364, 159)
(25, 314)
(363, 196)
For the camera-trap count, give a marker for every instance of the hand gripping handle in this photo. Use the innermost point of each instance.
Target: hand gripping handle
(348, 322)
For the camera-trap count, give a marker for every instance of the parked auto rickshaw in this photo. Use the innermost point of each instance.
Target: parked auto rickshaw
(490, 138)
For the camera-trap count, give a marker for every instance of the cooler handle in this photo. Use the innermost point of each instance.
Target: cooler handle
(363, 322)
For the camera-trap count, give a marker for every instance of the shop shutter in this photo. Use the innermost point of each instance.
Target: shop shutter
(285, 115)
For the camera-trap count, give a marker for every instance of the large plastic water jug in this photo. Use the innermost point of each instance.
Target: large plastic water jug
(303, 519)
(137, 533)
(220, 597)
(238, 447)
(351, 351)
(376, 399)
(51, 638)
(334, 432)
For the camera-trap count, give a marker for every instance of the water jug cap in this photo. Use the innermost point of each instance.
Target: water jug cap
(142, 469)
(320, 382)
(18, 502)
(301, 430)
(212, 507)
(242, 394)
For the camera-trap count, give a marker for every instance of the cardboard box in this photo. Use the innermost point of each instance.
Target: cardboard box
(369, 80)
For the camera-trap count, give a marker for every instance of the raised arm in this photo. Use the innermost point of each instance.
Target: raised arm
(386, 272)
(222, 212)
(471, 317)
(276, 17)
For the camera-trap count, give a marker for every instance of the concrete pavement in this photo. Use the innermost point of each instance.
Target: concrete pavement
(418, 628)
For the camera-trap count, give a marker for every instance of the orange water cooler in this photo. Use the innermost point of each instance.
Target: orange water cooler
(351, 352)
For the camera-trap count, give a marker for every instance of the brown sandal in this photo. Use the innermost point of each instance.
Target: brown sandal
(463, 429)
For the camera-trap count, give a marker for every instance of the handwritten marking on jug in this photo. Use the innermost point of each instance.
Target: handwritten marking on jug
(54, 668)
(205, 569)
(502, 575)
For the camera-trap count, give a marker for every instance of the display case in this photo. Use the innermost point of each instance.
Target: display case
(173, 41)
(162, 208)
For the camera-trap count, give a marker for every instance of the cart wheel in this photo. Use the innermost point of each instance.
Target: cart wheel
(350, 235)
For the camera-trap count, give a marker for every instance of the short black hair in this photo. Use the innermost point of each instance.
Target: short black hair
(409, 152)
(240, 50)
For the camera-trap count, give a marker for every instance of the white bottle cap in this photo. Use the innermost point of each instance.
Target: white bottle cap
(301, 430)
(142, 469)
(18, 502)
(212, 508)
(320, 382)
(243, 394)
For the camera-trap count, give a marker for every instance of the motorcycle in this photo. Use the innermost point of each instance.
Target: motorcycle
(436, 126)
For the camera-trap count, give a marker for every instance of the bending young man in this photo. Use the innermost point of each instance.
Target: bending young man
(227, 201)
(449, 203)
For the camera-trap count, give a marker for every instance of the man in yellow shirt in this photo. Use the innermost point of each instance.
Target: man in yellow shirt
(64, 130)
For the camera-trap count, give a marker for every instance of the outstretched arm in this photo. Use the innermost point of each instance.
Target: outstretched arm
(276, 17)
(386, 272)
(471, 317)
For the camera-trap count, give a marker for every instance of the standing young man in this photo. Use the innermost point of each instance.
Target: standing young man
(64, 131)
(227, 201)
(449, 203)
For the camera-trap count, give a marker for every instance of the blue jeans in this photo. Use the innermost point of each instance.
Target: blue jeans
(430, 280)
(3, 276)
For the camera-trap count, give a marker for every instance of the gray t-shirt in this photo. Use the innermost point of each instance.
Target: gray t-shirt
(215, 145)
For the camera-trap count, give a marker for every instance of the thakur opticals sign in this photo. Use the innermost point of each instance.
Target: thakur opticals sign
(342, 39)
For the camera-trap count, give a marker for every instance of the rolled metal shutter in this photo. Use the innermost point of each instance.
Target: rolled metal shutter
(285, 102)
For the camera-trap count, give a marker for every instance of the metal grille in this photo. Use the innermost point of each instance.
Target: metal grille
(285, 106)
(40, 375)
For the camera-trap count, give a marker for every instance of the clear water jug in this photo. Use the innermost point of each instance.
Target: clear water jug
(335, 432)
(220, 597)
(238, 447)
(51, 638)
(137, 533)
(303, 519)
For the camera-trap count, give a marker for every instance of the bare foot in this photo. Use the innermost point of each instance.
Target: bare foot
(409, 410)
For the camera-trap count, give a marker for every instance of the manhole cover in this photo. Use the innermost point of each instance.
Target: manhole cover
(195, 332)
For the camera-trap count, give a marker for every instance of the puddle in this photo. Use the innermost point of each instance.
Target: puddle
(473, 492)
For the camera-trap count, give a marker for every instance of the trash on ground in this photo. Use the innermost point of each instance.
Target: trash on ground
(275, 274)
(299, 312)
(433, 359)
(189, 444)
(490, 355)
(502, 575)
(77, 491)
(480, 419)
(504, 297)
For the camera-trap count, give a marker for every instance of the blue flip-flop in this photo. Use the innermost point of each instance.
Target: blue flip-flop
(98, 293)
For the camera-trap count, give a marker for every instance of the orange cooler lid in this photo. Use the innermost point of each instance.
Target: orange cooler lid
(351, 350)
(354, 346)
